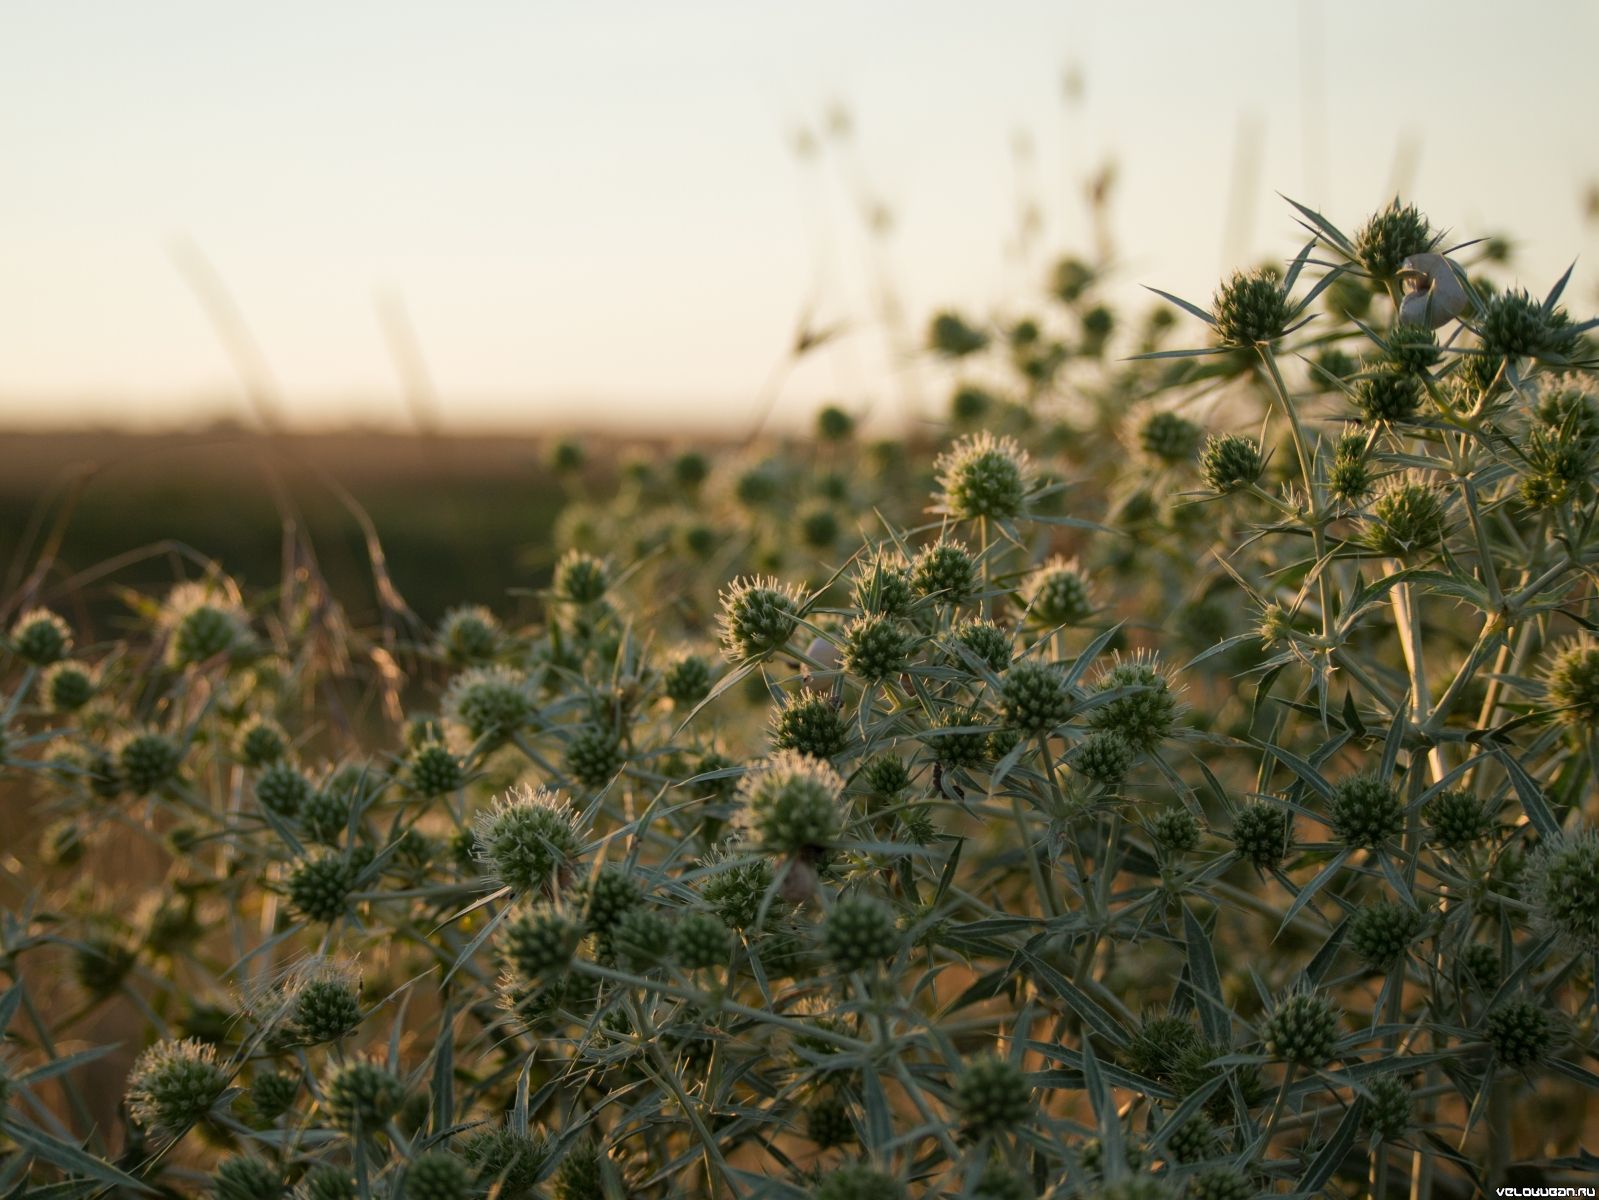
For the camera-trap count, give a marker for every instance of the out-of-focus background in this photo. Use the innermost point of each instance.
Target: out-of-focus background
(361, 262)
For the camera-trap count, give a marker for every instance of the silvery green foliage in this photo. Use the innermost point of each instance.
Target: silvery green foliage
(1177, 780)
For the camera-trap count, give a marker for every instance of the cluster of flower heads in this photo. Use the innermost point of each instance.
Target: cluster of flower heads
(1181, 769)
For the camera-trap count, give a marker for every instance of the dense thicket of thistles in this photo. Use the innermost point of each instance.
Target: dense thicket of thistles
(1127, 795)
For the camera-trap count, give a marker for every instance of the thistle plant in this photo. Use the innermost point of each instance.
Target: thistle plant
(965, 815)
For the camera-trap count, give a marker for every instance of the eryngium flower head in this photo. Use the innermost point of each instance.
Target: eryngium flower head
(1572, 682)
(147, 761)
(438, 1175)
(792, 803)
(246, 1177)
(203, 620)
(594, 756)
(469, 636)
(324, 1004)
(985, 641)
(1365, 812)
(858, 933)
(758, 617)
(324, 1182)
(1514, 325)
(434, 770)
(992, 1095)
(700, 940)
(1302, 1029)
(883, 586)
(1381, 934)
(954, 743)
(946, 572)
(40, 638)
(1387, 1114)
(1221, 1183)
(1388, 396)
(951, 336)
(1407, 520)
(1104, 756)
(1413, 348)
(506, 1163)
(260, 742)
(173, 1084)
(1034, 697)
(687, 681)
(641, 939)
(876, 648)
(984, 476)
(272, 1094)
(282, 788)
(738, 888)
(362, 1096)
(1456, 819)
(1390, 236)
(1231, 462)
(1169, 437)
(319, 888)
(1158, 1043)
(1058, 593)
(1147, 714)
(488, 703)
(67, 686)
(1250, 308)
(1520, 1032)
(810, 725)
(1349, 478)
(528, 838)
(1564, 889)
(1175, 830)
(580, 579)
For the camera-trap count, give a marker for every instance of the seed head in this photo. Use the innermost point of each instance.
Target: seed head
(987, 642)
(810, 725)
(1520, 1032)
(1381, 934)
(361, 1097)
(246, 1177)
(437, 1175)
(469, 636)
(1390, 236)
(1387, 1114)
(1034, 697)
(528, 839)
(945, 572)
(282, 788)
(1564, 889)
(319, 888)
(792, 803)
(859, 933)
(1058, 593)
(1388, 396)
(488, 703)
(67, 686)
(1302, 1029)
(700, 941)
(1250, 308)
(758, 618)
(984, 476)
(688, 681)
(1169, 438)
(992, 1095)
(173, 1084)
(1572, 681)
(1366, 812)
(147, 762)
(40, 638)
(1147, 714)
(1407, 521)
(1231, 462)
(877, 648)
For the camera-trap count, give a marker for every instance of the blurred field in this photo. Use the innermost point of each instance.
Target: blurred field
(456, 516)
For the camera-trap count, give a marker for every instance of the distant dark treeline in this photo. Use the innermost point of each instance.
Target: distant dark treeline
(457, 518)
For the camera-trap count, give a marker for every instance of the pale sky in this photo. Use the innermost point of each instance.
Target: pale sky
(594, 211)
